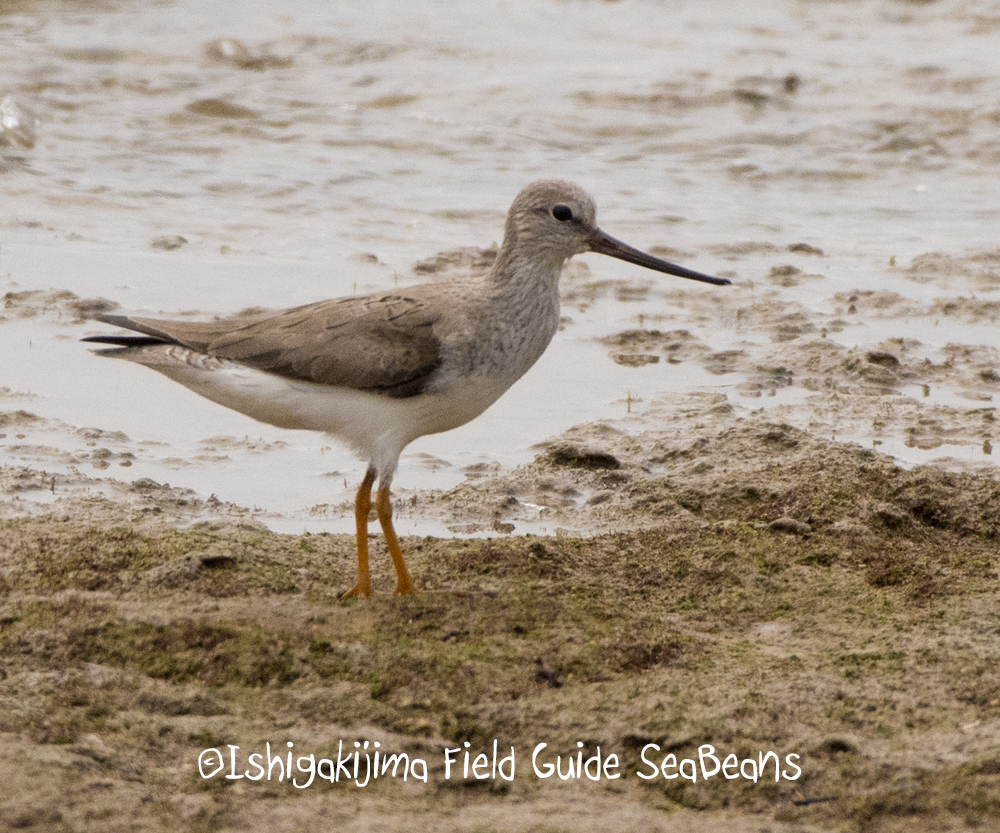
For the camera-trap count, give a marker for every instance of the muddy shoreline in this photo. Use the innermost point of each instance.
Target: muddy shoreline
(777, 592)
(760, 518)
(701, 571)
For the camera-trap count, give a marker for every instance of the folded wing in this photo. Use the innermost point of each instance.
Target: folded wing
(378, 343)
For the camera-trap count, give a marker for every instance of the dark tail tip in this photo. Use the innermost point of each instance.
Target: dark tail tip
(124, 341)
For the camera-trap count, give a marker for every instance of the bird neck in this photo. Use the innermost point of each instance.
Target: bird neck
(526, 267)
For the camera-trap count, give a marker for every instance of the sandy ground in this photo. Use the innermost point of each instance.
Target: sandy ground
(716, 578)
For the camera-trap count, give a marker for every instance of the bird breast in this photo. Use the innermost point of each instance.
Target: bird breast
(497, 339)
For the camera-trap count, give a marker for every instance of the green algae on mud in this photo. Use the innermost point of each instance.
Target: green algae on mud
(814, 600)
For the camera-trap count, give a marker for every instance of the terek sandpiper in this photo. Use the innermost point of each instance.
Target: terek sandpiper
(379, 370)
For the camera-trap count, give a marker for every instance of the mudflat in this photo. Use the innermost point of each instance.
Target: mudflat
(780, 593)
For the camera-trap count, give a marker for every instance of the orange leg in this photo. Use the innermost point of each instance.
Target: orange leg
(383, 506)
(362, 506)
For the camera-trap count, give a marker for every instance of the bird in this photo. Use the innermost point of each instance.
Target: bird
(379, 370)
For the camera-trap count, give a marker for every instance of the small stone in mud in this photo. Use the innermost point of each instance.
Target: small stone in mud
(881, 357)
(789, 525)
(168, 242)
(579, 457)
(634, 359)
(804, 249)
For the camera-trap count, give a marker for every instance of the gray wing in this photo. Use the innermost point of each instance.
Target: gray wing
(378, 343)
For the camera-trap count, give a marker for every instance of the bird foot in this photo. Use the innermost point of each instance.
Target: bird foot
(359, 589)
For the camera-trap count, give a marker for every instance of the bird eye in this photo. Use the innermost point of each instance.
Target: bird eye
(562, 213)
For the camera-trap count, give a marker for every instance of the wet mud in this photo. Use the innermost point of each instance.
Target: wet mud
(717, 566)
(764, 519)
(766, 589)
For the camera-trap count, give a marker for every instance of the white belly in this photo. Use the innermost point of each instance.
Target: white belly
(377, 427)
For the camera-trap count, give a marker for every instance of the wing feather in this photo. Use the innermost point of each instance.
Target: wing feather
(379, 343)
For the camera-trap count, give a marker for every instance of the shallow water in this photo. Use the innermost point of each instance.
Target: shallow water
(287, 147)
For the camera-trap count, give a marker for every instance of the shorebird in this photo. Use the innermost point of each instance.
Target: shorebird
(379, 370)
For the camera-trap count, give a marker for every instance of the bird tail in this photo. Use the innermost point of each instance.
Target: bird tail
(124, 341)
